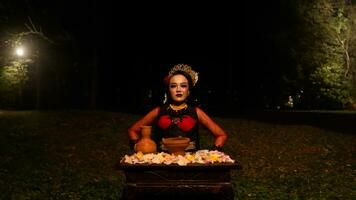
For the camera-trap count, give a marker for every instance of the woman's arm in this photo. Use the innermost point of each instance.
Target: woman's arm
(148, 119)
(215, 129)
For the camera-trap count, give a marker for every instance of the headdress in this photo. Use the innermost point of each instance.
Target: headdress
(187, 69)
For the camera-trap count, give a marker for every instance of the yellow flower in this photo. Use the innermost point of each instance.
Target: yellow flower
(214, 157)
(139, 154)
(190, 157)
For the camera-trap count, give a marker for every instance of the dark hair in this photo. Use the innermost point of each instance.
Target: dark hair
(190, 98)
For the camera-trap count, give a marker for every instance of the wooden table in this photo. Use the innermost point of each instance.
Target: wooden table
(193, 181)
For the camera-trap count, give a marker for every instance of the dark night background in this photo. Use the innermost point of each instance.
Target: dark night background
(91, 80)
(117, 52)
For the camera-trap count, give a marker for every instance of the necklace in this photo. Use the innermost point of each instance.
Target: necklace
(180, 107)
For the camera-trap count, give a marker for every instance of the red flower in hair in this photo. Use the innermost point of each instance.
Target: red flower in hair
(166, 79)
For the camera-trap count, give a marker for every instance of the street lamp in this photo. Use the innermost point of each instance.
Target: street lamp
(20, 68)
(20, 51)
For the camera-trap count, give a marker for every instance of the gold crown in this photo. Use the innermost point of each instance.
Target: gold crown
(187, 69)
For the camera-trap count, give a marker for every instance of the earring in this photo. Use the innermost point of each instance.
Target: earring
(165, 98)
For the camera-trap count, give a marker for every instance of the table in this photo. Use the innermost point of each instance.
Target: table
(193, 181)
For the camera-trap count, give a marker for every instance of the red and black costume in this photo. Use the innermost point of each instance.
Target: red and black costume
(175, 123)
(170, 123)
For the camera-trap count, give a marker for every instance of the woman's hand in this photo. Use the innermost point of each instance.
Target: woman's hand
(216, 148)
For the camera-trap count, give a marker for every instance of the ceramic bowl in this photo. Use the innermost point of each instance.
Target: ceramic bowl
(176, 145)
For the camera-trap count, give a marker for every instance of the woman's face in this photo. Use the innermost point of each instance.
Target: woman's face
(178, 88)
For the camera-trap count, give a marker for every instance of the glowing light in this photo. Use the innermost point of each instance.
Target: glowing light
(20, 51)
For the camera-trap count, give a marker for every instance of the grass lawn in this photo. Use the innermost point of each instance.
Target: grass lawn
(71, 155)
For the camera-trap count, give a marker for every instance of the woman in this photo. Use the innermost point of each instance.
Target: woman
(177, 117)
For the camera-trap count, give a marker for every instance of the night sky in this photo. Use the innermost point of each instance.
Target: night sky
(134, 46)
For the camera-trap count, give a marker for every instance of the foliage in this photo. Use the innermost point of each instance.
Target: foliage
(322, 52)
(351, 10)
(332, 87)
(13, 79)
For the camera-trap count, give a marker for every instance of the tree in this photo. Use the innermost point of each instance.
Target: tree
(351, 13)
(13, 79)
(322, 52)
(15, 74)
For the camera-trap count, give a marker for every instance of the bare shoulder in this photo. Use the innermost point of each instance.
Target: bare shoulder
(155, 111)
(200, 111)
